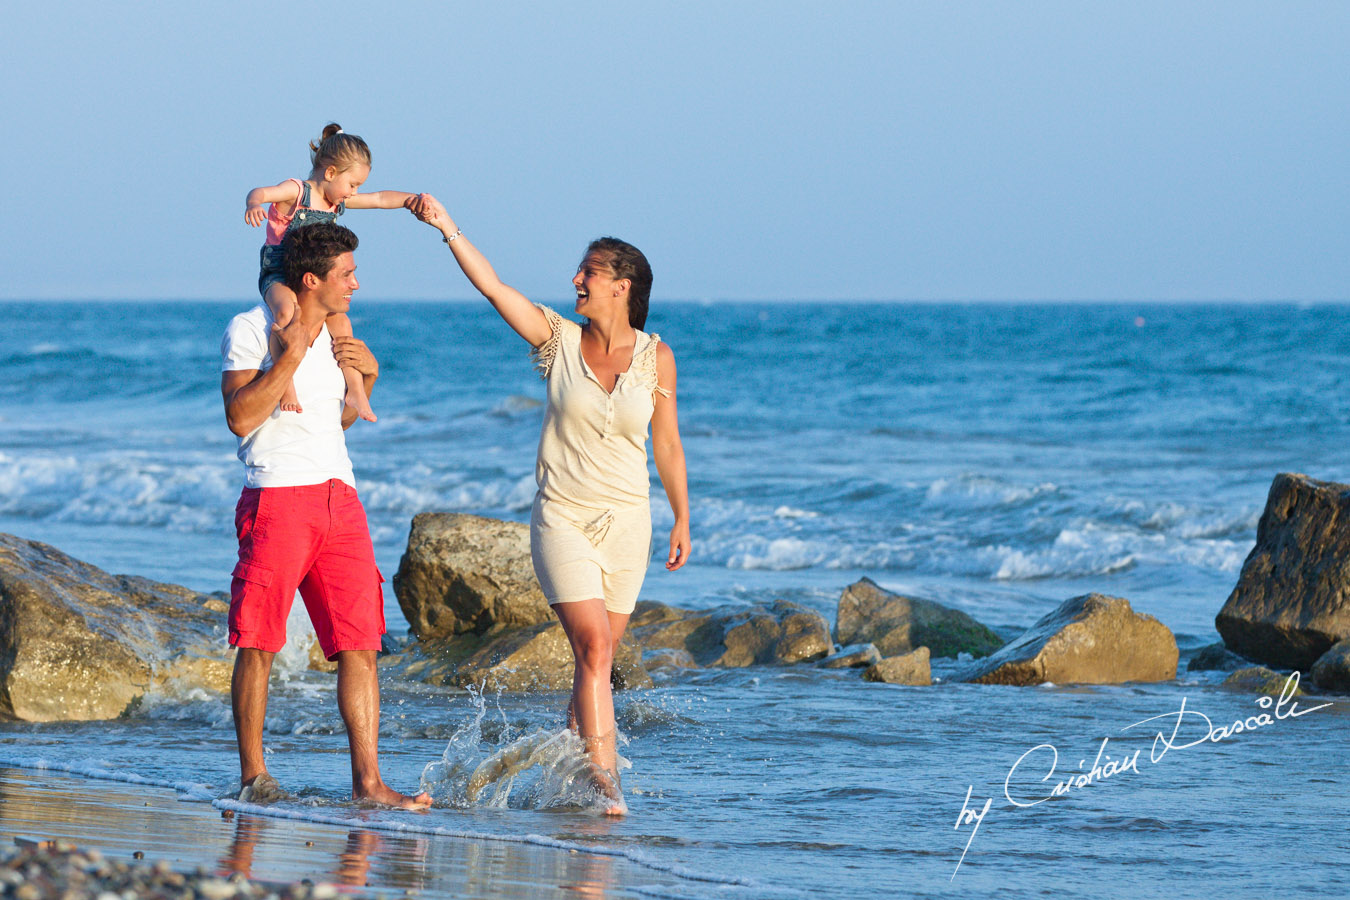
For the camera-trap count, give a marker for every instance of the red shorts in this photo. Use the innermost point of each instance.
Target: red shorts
(313, 538)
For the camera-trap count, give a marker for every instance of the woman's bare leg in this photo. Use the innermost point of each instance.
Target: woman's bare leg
(587, 626)
(339, 325)
(281, 301)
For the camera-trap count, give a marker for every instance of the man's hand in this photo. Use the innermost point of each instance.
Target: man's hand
(294, 338)
(351, 351)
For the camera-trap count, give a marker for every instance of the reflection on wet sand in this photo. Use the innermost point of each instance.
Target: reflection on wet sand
(120, 820)
(401, 860)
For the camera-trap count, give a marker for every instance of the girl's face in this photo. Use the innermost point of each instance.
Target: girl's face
(339, 186)
(595, 284)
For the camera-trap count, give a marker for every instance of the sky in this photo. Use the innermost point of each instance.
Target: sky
(768, 151)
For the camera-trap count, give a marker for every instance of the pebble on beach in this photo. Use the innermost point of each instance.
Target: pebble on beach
(37, 869)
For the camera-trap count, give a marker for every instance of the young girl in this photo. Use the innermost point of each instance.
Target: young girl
(341, 164)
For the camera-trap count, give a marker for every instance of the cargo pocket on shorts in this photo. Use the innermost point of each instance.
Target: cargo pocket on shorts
(245, 601)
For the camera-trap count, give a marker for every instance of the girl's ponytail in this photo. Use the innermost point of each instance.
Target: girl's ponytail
(337, 148)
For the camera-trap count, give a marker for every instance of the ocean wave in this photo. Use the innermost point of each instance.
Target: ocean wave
(1093, 549)
(974, 491)
(127, 488)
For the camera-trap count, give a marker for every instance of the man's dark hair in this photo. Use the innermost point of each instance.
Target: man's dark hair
(313, 248)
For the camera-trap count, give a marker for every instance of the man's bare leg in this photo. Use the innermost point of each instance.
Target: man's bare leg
(359, 703)
(248, 699)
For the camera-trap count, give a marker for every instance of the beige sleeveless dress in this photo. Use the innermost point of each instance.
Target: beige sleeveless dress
(590, 528)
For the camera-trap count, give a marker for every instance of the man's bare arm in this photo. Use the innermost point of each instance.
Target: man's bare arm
(250, 395)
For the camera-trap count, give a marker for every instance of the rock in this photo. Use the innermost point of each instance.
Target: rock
(77, 643)
(1093, 639)
(911, 668)
(781, 634)
(1260, 680)
(320, 663)
(897, 624)
(852, 657)
(667, 658)
(1292, 600)
(193, 670)
(1331, 672)
(538, 658)
(1215, 658)
(465, 573)
(317, 661)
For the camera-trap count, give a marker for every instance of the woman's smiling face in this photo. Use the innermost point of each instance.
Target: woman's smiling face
(594, 282)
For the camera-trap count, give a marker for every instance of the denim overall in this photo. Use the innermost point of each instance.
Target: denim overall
(271, 257)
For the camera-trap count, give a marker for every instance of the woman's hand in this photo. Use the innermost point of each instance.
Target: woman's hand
(679, 546)
(429, 210)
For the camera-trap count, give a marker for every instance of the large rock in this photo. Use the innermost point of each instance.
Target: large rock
(1091, 639)
(781, 634)
(77, 643)
(899, 625)
(1292, 600)
(465, 573)
(911, 668)
(1331, 672)
(537, 658)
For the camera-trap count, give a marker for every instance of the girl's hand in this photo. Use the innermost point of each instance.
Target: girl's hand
(429, 210)
(254, 215)
(679, 546)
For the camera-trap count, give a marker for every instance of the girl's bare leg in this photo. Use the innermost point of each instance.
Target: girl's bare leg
(339, 325)
(588, 630)
(281, 301)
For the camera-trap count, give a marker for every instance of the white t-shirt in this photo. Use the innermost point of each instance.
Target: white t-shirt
(288, 448)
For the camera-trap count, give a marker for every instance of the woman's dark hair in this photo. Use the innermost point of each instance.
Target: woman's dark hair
(627, 261)
(314, 248)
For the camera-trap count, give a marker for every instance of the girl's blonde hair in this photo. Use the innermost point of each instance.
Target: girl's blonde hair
(337, 148)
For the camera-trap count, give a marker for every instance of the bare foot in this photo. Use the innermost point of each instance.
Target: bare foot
(387, 796)
(262, 789)
(607, 785)
(289, 401)
(357, 401)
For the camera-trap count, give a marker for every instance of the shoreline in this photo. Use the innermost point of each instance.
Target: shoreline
(147, 832)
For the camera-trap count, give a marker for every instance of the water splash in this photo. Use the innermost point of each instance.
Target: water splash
(545, 769)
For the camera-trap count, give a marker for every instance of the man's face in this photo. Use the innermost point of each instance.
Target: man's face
(334, 292)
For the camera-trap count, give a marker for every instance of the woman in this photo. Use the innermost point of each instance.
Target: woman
(590, 528)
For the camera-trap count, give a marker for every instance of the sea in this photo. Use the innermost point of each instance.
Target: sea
(999, 458)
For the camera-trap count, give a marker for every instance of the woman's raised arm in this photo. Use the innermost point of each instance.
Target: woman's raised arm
(514, 307)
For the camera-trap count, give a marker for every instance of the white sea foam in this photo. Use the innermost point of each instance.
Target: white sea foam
(187, 790)
(975, 491)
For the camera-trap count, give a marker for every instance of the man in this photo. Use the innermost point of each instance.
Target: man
(299, 521)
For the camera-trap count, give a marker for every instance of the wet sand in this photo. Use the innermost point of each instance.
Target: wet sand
(121, 821)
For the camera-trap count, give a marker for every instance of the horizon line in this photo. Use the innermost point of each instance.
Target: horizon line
(767, 300)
